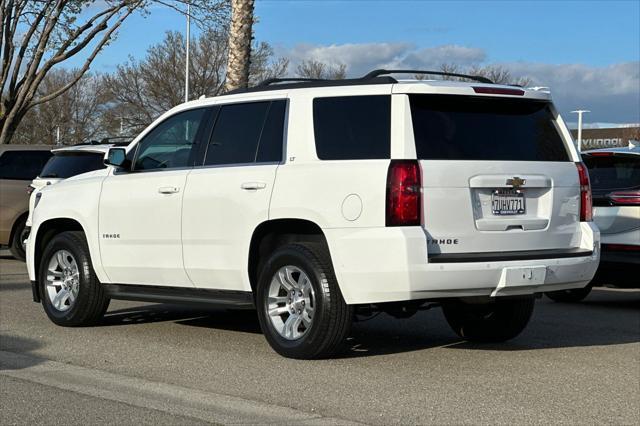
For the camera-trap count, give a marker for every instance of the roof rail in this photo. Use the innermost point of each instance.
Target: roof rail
(378, 73)
(271, 81)
(107, 140)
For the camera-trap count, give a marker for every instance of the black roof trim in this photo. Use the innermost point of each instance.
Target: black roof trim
(380, 76)
(311, 83)
(125, 140)
(377, 73)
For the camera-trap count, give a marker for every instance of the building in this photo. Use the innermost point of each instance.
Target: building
(606, 138)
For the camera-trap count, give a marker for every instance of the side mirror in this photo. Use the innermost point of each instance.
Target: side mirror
(116, 157)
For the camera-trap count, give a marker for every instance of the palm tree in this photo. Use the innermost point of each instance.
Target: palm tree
(239, 44)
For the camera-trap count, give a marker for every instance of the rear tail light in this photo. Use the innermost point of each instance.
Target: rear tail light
(601, 154)
(625, 198)
(586, 202)
(403, 193)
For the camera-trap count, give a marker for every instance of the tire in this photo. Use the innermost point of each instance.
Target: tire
(323, 319)
(16, 247)
(497, 321)
(570, 296)
(85, 301)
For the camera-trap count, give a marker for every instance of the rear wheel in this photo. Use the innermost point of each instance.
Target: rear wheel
(301, 310)
(570, 296)
(497, 321)
(17, 247)
(71, 293)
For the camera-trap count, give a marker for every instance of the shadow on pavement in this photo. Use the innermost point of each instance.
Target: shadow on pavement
(234, 320)
(21, 346)
(607, 317)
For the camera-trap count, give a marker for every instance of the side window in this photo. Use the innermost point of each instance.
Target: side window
(237, 133)
(22, 165)
(170, 144)
(352, 127)
(271, 140)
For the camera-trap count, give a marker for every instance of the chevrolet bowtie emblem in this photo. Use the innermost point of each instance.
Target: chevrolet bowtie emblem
(516, 182)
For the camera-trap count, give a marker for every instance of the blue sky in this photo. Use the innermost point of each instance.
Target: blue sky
(587, 51)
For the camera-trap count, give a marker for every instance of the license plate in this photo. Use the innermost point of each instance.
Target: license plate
(507, 202)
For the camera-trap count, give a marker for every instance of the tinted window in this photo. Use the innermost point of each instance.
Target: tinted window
(169, 144)
(270, 146)
(353, 127)
(237, 134)
(613, 172)
(22, 165)
(474, 128)
(65, 165)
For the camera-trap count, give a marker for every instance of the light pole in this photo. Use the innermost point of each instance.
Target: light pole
(186, 73)
(580, 112)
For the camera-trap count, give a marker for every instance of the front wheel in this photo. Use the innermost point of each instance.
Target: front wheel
(496, 321)
(301, 310)
(71, 293)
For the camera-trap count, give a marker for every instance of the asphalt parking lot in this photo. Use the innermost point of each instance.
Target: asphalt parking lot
(166, 364)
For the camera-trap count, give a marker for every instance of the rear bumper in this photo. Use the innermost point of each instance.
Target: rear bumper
(376, 265)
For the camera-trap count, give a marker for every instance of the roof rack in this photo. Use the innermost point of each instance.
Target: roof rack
(380, 72)
(107, 140)
(380, 76)
(270, 81)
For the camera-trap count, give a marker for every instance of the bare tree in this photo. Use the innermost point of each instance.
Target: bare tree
(76, 113)
(240, 35)
(264, 65)
(498, 74)
(142, 90)
(38, 35)
(311, 68)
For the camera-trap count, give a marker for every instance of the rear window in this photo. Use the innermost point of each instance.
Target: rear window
(613, 172)
(22, 165)
(65, 165)
(352, 127)
(481, 128)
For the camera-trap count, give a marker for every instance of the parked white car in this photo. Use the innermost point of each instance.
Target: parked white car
(85, 159)
(615, 180)
(66, 162)
(313, 201)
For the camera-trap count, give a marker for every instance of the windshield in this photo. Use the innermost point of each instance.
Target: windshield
(65, 165)
(449, 127)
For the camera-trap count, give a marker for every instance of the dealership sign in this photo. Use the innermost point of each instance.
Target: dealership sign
(609, 137)
(603, 143)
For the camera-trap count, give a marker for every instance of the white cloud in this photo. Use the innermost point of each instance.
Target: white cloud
(611, 92)
(359, 58)
(362, 58)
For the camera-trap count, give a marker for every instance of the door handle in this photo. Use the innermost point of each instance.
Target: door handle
(168, 189)
(252, 186)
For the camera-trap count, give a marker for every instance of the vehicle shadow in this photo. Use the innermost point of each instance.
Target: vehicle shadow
(607, 317)
(15, 352)
(224, 319)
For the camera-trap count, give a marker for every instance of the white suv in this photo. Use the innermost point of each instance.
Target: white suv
(314, 201)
